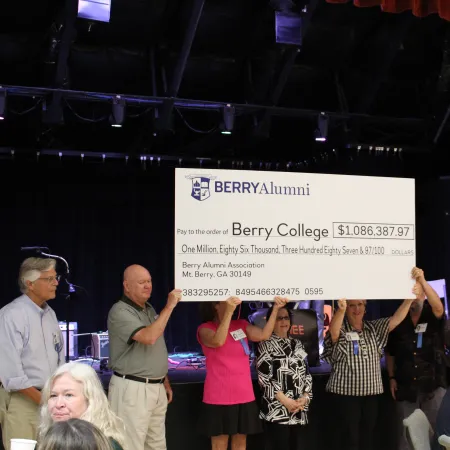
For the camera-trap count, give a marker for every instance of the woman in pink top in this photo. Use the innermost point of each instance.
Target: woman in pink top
(229, 406)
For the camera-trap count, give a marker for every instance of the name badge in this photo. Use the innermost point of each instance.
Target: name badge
(238, 334)
(421, 328)
(302, 354)
(352, 336)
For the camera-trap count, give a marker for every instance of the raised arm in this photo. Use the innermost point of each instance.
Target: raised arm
(217, 338)
(151, 333)
(432, 296)
(336, 321)
(257, 334)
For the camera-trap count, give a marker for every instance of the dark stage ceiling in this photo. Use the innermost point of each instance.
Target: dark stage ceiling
(381, 79)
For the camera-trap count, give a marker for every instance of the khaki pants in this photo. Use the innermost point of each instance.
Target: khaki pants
(142, 407)
(19, 417)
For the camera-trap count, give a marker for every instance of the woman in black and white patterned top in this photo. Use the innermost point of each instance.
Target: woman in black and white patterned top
(286, 385)
(354, 346)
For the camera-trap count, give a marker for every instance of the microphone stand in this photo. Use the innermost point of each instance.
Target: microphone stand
(68, 297)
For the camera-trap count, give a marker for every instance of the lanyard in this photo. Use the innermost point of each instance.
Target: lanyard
(245, 346)
(419, 340)
(420, 329)
(354, 338)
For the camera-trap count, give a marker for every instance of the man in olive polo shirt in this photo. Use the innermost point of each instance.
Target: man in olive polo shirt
(139, 390)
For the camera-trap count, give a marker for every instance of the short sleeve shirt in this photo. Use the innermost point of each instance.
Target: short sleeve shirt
(127, 356)
(419, 366)
(228, 377)
(356, 368)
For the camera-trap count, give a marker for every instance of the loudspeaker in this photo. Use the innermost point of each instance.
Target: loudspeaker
(100, 346)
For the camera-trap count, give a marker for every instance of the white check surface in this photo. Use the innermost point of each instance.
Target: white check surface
(305, 236)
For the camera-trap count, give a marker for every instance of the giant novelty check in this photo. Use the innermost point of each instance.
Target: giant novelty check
(256, 235)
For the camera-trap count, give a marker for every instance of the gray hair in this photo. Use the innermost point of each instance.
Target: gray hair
(31, 269)
(74, 434)
(98, 410)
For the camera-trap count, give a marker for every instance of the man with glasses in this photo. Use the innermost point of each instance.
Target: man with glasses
(31, 348)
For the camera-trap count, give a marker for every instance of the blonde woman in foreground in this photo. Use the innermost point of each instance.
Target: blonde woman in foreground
(75, 392)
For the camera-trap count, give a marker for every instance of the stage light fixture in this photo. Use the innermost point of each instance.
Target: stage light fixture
(117, 116)
(228, 119)
(288, 28)
(2, 104)
(99, 10)
(321, 132)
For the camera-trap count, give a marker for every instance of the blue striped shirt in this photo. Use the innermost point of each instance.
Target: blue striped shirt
(31, 344)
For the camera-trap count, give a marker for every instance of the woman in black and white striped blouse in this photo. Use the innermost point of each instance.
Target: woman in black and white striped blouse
(353, 347)
(286, 385)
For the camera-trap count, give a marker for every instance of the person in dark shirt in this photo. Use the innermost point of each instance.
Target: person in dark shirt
(415, 357)
(442, 421)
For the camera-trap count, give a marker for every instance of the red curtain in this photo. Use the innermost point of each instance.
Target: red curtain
(420, 8)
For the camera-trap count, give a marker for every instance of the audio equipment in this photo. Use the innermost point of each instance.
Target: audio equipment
(100, 345)
(73, 338)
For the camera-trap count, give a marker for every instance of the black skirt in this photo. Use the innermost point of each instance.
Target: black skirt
(217, 420)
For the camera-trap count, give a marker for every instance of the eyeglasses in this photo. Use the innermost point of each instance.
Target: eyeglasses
(279, 319)
(51, 280)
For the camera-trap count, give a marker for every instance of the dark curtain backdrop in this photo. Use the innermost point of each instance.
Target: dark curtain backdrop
(103, 217)
(100, 219)
(420, 8)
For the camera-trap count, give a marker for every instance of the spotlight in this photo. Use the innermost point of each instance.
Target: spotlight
(99, 10)
(228, 119)
(318, 136)
(321, 132)
(118, 112)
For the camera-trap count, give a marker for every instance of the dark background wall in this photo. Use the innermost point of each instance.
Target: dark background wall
(102, 217)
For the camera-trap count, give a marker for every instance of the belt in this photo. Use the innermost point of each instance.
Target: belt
(140, 379)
